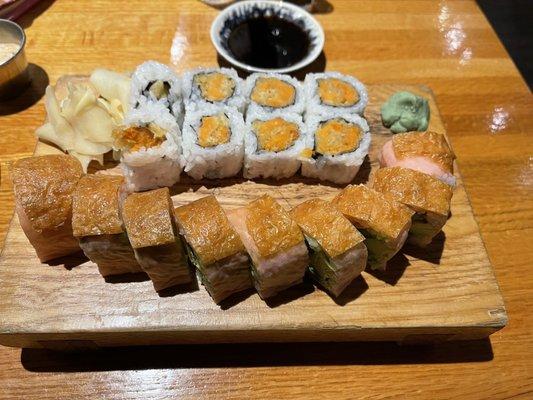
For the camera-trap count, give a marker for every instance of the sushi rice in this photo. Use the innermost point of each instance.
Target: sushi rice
(275, 162)
(157, 166)
(346, 94)
(271, 92)
(219, 152)
(342, 167)
(213, 86)
(155, 83)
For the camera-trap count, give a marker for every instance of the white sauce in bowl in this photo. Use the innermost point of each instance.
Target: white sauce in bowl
(8, 50)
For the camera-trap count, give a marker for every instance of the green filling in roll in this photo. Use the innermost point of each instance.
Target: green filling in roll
(322, 268)
(255, 274)
(378, 250)
(195, 261)
(422, 231)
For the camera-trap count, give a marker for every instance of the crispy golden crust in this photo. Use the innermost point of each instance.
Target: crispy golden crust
(415, 189)
(43, 188)
(148, 218)
(134, 138)
(431, 145)
(271, 227)
(95, 206)
(324, 223)
(208, 231)
(369, 209)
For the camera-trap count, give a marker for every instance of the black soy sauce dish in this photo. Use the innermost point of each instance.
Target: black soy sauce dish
(267, 36)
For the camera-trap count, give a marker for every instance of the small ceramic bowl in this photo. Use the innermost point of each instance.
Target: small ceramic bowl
(239, 12)
(14, 75)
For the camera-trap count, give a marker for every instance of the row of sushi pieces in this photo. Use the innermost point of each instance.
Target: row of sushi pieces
(262, 244)
(213, 124)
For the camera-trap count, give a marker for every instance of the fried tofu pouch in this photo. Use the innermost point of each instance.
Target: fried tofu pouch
(43, 189)
(151, 227)
(427, 196)
(97, 223)
(337, 249)
(275, 244)
(426, 152)
(214, 248)
(384, 222)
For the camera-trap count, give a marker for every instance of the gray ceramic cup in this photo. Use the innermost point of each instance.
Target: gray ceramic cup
(14, 76)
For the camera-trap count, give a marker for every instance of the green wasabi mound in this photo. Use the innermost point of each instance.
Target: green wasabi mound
(405, 112)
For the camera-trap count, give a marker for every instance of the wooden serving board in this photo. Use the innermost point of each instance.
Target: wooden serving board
(446, 291)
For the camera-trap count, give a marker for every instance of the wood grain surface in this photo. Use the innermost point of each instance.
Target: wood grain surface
(486, 108)
(446, 291)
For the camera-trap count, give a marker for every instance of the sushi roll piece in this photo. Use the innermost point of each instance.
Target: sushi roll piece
(97, 223)
(275, 145)
(213, 142)
(383, 222)
(220, 87)
(275, 244)
(341, 144)
(214, 248)
(155, 83)
(427, 196)
(338, 252)
(43, 189)
(150, 145)
(427, 152)
(274, 93)
(332, 93)
(151, 228)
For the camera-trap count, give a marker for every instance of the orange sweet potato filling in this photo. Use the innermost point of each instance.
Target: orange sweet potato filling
(135, 138)
(215, 86)
(273, 92)
(336, 92)
(337, 136)
(275, 134)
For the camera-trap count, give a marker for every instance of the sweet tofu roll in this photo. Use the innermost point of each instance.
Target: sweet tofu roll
(43, 189)
(214, 248)
(151, 228)
(97, 223)
(427, 196)
(337, 249)
(383, 222)
(426, 152)
(275, 244)
(155, 83)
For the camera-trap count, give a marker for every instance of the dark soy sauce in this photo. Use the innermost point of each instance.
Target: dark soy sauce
(268, 42)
